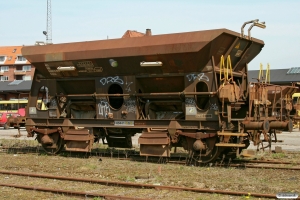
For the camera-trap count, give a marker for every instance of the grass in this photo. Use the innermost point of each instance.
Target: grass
(278, 155)
(232, 179)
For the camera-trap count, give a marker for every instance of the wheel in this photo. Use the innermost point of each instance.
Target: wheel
(209, 155)
(215, 152)
(52, 148)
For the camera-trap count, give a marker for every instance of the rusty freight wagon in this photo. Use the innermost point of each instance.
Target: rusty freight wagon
(187, 90)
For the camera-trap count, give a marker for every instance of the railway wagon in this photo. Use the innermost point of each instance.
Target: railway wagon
(188, 90)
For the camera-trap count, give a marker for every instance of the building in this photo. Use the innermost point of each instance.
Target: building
(16, 73)
(278, 76)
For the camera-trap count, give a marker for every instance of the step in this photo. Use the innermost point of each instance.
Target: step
(229, 145)
(233, 134)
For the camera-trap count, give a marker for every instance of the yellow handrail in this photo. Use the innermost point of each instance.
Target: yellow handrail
(225, 70)
(222, 66)
(261, 72)
(268, 75)
(229, 65)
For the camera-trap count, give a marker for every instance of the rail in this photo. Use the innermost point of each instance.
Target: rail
(137, 185)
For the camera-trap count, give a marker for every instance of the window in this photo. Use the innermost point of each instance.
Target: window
(26, 68)
(294, 70)
(2, 58)
(26, 78)
(4, 78)
(4, 68)
(21, 58)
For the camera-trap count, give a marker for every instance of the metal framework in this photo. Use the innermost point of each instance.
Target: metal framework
(49, 23)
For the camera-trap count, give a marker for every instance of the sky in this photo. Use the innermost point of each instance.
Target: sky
(23, 22)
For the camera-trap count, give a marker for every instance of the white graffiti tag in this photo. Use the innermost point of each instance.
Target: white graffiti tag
(201, 76)
(130, 105)
(128, 86)
(190, 102)
(103, 107)
(110, 79)
(214, 106)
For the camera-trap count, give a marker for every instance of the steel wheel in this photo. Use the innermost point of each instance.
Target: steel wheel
(55, 147)
(211, 157)
(205, 156)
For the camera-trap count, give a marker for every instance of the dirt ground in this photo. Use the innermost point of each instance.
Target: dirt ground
(248, 180)
(244, 180)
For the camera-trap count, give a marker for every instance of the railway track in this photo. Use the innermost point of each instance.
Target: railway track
(118, 184)
(70, 193)
(181, 160)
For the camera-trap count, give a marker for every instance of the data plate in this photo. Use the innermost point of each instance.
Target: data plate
(191, 110)
(124, 123)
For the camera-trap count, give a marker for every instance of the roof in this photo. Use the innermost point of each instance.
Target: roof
(15, 86)
(11, 52)
(130, 33)
(276, 75)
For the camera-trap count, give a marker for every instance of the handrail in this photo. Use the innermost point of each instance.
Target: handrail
(222, 64)
(261, 77)
(268, 74)
(139, 94)
(261, 72)
(226, 70)
(229, 65)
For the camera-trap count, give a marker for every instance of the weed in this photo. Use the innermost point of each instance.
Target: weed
(130, 179)
(91, 166)
(43, 154)
(278, 155)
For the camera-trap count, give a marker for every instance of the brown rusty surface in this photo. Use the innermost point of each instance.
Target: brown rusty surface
(77, 137)
(79, 146)
(167, 43)
(44, 131)
(155, 150)
(78, 140)
(229, 145)
(198, 135)
(179, 52)
(157, 141)
(154, 138)
(156, 144)
(263, 125)
(279, 124)
(77, 132)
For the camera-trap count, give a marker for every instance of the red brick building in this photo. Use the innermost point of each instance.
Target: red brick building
(16, 73)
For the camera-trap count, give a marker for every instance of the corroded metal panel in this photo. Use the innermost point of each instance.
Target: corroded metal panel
(179, 53)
